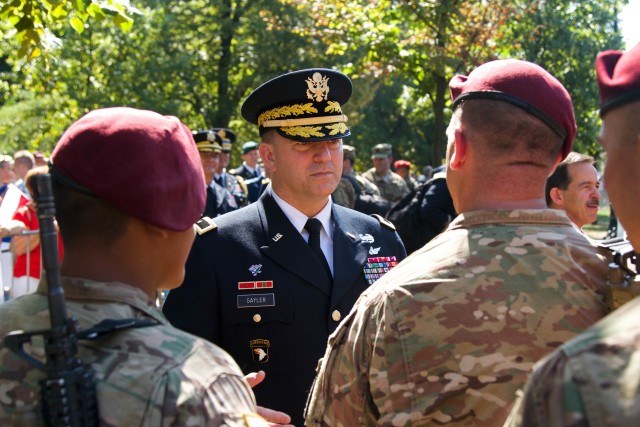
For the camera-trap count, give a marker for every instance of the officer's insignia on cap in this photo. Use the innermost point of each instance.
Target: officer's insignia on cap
(207, 141)
(318, 87)
(375, 268)
(304, 105)
(260, 350)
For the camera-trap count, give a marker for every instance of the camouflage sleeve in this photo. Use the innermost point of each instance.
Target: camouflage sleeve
(543, 396)
(369, 186)
(591, 380)
(341, 395)
(344, 194)
(207, 390)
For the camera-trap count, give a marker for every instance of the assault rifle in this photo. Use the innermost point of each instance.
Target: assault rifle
(68, 393)
(622, 278)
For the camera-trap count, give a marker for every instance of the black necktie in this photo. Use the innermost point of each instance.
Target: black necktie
(210, 207)
(218, 180)
(313, 226)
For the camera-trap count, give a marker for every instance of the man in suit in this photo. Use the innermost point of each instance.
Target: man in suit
(219, 200)
(250, 170)
(257, 282)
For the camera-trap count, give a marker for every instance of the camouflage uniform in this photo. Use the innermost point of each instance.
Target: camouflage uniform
(450, 335)
(155, 376)
(590, 381)
(392, 186)
(344, 194)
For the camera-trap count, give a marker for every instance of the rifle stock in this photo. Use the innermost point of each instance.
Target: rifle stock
(69, 392)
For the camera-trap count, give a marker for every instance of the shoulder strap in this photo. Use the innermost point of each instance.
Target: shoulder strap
(204, 225)
(384, 222)
(109, 326)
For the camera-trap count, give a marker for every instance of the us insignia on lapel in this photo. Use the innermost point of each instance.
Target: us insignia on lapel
(376, 267)
(260, 350)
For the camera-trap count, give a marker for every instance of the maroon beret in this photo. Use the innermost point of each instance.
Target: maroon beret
(618, 77)
(401, 164)
(525, 85)
(143, 163)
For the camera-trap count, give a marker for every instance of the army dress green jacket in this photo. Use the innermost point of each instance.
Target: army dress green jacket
(150, 376)
(254, 287)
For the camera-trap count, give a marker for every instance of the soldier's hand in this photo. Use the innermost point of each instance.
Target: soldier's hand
(255, 378)
(273, 417)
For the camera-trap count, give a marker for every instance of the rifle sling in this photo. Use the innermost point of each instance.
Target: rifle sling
(109, 326)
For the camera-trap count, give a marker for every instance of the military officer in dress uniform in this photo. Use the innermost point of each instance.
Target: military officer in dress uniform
(235, 185)
(270, 282)
(219, 200)
(250, 170)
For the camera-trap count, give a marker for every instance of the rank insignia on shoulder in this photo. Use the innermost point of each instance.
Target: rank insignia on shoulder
(376, 267)
(204, 225)
(384, 222)
(260, 350)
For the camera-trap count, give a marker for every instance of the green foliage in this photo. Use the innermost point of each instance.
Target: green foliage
(34, 123)
(564, 37)
(198, 60)
(32, 20)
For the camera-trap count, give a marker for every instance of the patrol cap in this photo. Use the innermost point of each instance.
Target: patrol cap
(207, 141)
(304, 105)
(525, 85)
(349, 152)
(618, 78)
(249, 146)
(402, 164)
(227, 137)
(381, 151)
(116, 153)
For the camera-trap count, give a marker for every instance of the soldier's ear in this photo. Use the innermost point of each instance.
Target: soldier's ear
(459, 150)
(267, 154)
(556, 196)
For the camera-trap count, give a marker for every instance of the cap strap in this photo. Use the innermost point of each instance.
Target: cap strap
(304, 121)
(518, 102)
(625, 98)
(68, 182)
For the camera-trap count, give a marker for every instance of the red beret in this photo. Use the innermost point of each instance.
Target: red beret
(401, 163)
(525, 85)
(618, 77)
(143, 163)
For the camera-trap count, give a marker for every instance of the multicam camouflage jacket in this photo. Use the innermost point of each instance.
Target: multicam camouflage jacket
(451, 333)
(152, 376)
(590, 381)
(392, 186)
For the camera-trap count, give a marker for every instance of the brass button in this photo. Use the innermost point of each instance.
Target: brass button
(257, 318)
(336, 315)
